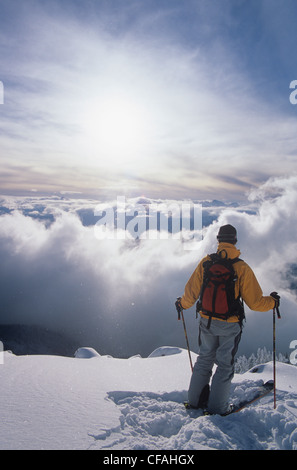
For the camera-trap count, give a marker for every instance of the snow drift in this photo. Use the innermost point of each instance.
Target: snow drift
(100, 402)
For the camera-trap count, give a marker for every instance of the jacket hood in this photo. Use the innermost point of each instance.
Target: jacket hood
(230, 249)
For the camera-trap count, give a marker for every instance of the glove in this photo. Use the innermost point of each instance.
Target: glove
(178, 306)
(276, 297)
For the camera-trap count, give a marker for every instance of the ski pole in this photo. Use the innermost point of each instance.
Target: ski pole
(180, 313)
(187, 341)
(274, 361)
(275, 309)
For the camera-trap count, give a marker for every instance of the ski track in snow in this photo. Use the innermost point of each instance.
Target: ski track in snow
(151, 421)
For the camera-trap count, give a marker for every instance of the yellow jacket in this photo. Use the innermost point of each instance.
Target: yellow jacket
(246, 285)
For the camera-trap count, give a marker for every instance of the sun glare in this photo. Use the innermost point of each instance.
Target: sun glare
(116, 128)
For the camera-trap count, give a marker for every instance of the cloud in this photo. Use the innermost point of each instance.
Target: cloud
(104, 293)
(118, 295)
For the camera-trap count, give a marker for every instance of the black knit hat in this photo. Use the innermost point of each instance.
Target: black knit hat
(228, 234)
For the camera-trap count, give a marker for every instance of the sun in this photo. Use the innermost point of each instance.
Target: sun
(116, 129)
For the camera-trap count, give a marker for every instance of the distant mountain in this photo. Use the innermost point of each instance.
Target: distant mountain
(216, 203)
(32, 339)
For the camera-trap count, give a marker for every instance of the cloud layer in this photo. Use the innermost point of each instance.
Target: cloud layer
(118, 295)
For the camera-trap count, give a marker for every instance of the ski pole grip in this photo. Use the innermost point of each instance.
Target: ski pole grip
(178, 307)
(276, 297)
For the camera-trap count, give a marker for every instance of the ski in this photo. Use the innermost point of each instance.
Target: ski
(263, 390)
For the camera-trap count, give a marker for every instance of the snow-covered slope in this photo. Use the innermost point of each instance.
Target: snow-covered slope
(99, 402)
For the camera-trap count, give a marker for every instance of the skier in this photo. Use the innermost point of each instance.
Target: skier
(219, 338)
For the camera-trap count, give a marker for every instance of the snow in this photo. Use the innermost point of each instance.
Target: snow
(100, 402)
(86, 353)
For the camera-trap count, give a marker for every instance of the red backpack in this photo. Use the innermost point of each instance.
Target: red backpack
(217, 295)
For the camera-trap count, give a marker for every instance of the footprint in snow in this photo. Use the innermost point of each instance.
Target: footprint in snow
(148, 420)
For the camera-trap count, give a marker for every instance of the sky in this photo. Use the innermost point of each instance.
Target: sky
(169, 98)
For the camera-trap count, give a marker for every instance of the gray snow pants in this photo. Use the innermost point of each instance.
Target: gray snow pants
(218, 345)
